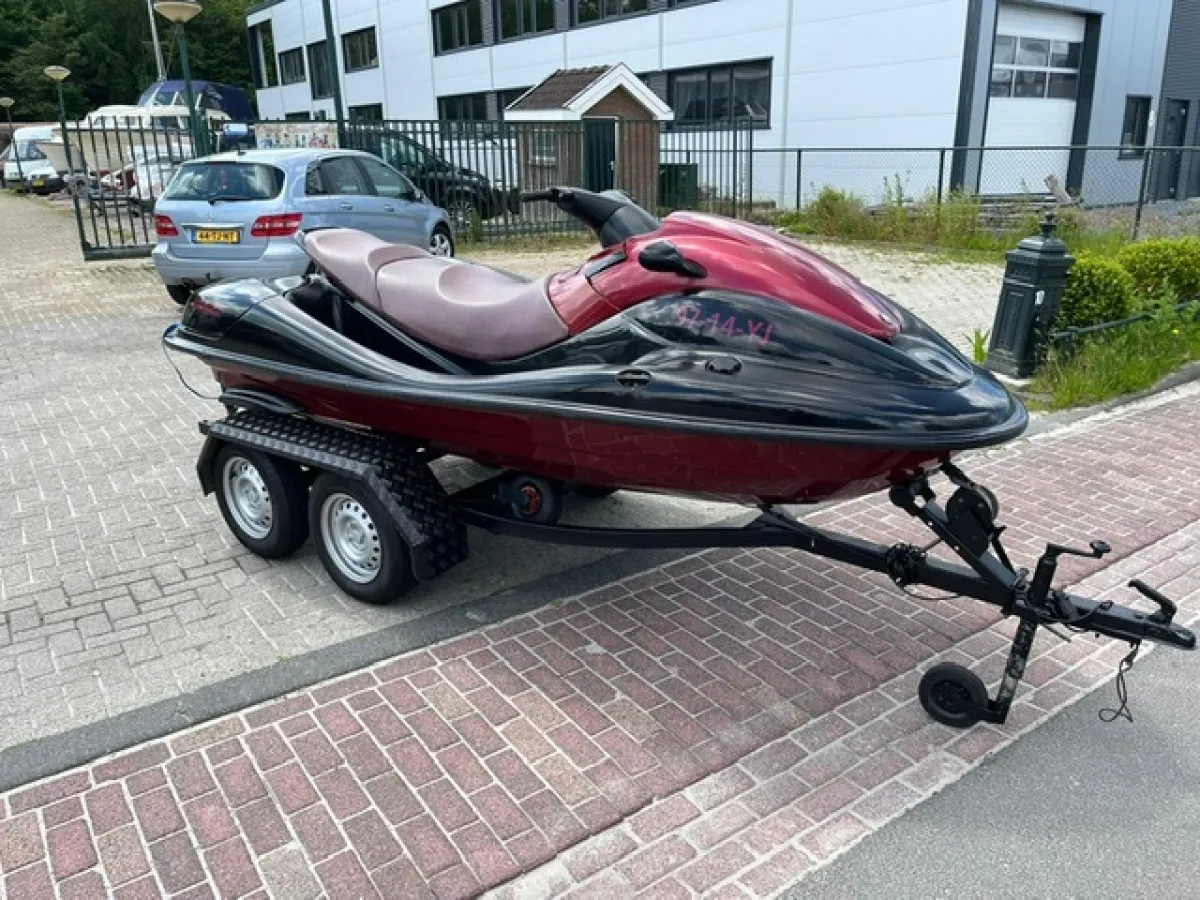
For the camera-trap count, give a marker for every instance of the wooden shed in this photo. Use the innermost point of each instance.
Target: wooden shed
(597, 128)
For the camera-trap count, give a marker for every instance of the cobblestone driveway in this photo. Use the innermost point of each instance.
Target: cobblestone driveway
(119, 585)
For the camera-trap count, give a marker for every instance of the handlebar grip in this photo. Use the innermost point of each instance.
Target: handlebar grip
(535, 196)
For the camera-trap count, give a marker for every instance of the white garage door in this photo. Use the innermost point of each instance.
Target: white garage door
(1035, 78)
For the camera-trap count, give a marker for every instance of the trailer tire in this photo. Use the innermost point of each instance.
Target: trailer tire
(357, 542)
(953, 695)
(262, 499)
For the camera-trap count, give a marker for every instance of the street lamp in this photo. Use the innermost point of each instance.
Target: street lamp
(58, 74)
(179, 13)
(7, 103)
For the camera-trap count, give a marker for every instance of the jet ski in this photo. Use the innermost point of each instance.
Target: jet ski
(696, 355)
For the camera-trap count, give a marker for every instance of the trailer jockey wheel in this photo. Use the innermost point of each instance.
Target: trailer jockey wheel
(953, 695)
(533, 499)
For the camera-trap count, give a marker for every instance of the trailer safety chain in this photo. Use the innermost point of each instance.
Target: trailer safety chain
(182, 380)
(1122, 711)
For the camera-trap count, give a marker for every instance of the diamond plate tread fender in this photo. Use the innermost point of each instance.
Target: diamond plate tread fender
(418, 505)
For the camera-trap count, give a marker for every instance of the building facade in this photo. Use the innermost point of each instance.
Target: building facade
(882, 74)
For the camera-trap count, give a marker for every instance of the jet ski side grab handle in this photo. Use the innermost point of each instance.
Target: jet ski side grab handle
(612, 215)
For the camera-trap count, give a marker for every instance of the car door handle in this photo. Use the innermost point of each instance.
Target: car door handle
(346, 205)
(633, 378)
(389, 208)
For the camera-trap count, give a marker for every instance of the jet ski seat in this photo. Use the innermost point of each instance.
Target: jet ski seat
(465, 309)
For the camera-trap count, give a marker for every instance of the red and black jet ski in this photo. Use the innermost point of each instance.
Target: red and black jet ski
(696, 354)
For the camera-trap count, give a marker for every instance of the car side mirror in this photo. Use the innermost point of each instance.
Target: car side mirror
(663, 256)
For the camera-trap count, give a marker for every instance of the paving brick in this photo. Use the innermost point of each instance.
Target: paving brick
(157, 814)
(516, 777)
(781, 868)
(268, 749)
(426, 845)
(600, 852)
(291, 787)
(647, 866)
(62, 811)
(316, 752)
(176, 862)
(87, 886)
(447, 804)
(30, 883)
(231, 868)
(144, 781)
(49, 791)
(142, 889)
(483, 852)
(384, 725)
(414, 762)
(457, 883)
(122, 855)
(372, 839)
(278, 710)
(712, 828)
(365, 758)
(190, 776)
(263, 826)
(317, 831)
(662, 817)
(344, 878)
(210, 819)
(71, 849)
(287, 874)
(393, 797)
(20, 842)
(216, 733)
(337, 721)
(833, 836)
(126, 764)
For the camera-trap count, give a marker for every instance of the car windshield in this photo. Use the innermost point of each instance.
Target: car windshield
(29, 150)
(231, 181)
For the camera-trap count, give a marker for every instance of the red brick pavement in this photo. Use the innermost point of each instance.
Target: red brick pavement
(717, 726)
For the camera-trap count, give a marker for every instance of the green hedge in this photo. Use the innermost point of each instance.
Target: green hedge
(1163, 270)
(1098, 290)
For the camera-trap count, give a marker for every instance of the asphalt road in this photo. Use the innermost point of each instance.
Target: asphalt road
(1077, 809)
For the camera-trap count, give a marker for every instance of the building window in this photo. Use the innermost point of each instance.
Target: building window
(458, 26)
(359, 50)
(291, 66)
(262, 55)
(515, 18)
(1035, 68)
(321, 82)
(463, 108)
(725, 95)
(585, 11)
(297, 117)
(1136, 126)
(370, 112)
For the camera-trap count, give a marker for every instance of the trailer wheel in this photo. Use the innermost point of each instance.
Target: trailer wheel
(262, 500)
(533, 499)
(358, 545)
(953, 695)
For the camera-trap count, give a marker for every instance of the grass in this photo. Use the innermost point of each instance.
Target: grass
(1122, 361)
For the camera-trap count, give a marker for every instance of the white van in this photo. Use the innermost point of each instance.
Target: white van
(40, 176)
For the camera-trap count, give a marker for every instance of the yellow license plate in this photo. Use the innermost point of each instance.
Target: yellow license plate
(218, 236)
(39, 182)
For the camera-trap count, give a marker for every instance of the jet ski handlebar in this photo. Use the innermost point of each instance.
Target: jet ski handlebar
(611, 214)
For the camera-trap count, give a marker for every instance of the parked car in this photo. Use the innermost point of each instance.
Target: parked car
(235, 215)
(461, 191)
(40, 176)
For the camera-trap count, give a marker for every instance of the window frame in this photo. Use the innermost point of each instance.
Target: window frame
(351, 110)
(263, 66)
(522, 31)
(605, 15)
(310, 52)
(1135, 150)
(535, 158)
(1015, 68)
(303, 68)
(369, 31)
(459, 15)
(408, 190)
(363, 181)
(728, 70)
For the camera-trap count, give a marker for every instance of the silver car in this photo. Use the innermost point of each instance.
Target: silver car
(235, 215)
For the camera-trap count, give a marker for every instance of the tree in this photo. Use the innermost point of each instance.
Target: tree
(107, 46)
